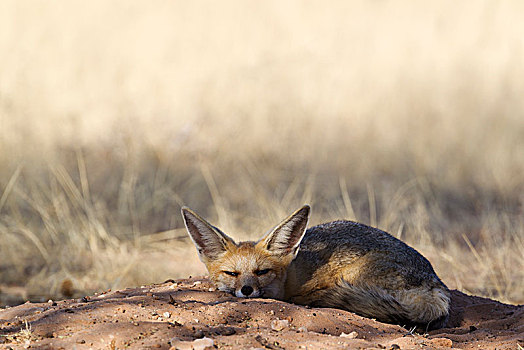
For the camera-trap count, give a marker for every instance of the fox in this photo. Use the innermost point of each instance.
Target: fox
(341, 264)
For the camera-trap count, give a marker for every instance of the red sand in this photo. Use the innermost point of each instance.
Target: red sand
(188, 314)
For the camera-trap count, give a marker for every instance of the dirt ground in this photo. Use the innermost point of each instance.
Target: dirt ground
(190, 314)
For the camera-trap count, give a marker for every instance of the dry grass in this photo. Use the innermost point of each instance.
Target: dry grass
(405, 115)
(23, 336)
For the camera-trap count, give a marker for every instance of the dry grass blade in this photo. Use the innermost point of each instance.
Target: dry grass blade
(347, 201)
(215, 195)
(372, 206)
(9, 187)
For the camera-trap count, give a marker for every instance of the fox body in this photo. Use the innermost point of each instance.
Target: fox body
(341, 264)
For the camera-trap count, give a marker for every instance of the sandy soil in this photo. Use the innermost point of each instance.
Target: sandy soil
(190, 314)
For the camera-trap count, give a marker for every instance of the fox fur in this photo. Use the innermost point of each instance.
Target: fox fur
(341, 264)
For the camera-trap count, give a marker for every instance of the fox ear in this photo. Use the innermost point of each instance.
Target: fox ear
(210, 242)
(286, 237)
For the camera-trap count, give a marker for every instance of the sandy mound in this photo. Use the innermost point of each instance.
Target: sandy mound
(188, 314)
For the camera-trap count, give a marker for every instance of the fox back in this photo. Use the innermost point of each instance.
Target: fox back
(341, 264)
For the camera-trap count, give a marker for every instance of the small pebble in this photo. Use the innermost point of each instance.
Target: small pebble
(351, 335)
(198, 344)
(278, 325)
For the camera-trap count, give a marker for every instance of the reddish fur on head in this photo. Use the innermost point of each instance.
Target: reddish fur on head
(248, 269)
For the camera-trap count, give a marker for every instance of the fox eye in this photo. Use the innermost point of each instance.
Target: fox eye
(261, 272)
(231, 273)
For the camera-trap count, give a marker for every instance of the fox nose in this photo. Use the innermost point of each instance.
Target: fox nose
(246, 290)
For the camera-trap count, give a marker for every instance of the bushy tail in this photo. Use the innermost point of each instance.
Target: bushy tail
(418, 307)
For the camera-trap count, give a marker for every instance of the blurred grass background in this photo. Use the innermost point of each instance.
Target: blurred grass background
(404, 115)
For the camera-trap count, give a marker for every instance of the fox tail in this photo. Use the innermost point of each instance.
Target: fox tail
(423, 308)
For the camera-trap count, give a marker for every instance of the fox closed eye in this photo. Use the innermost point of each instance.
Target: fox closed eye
(262, 272)
(231, 273)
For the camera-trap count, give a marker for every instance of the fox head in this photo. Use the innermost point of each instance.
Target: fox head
(248, 269)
